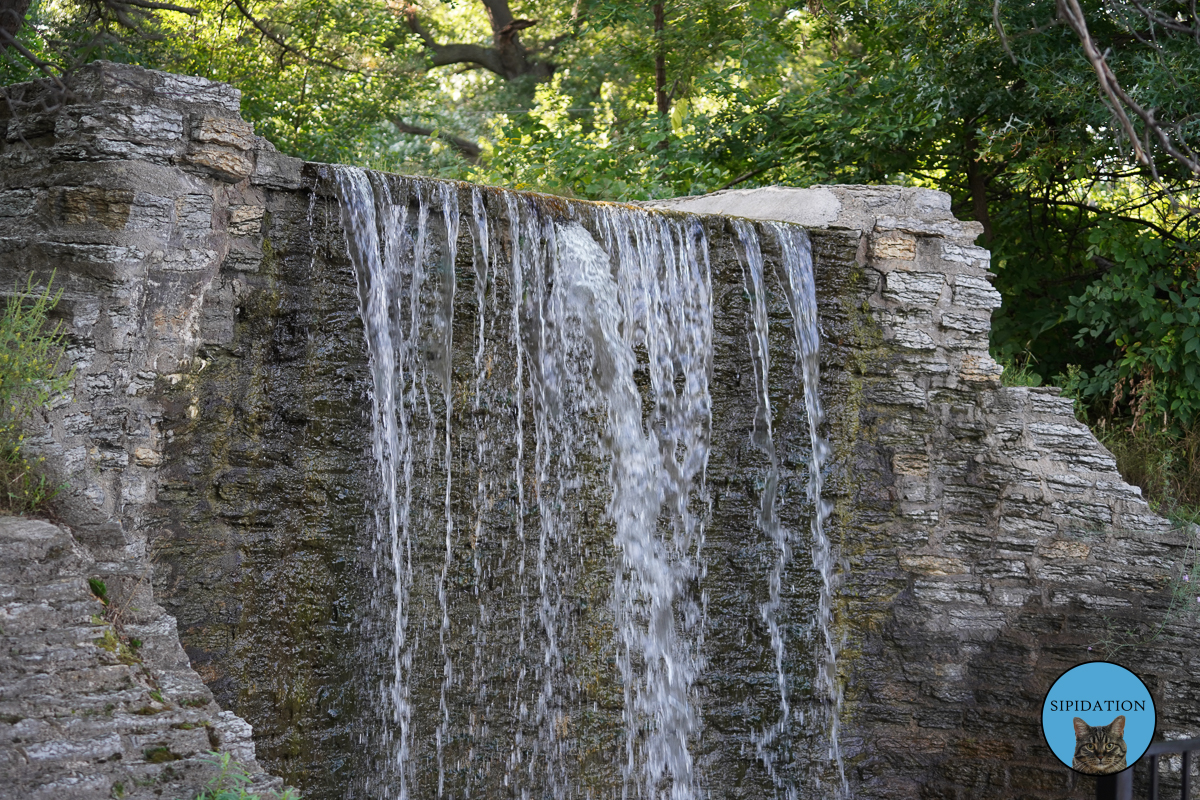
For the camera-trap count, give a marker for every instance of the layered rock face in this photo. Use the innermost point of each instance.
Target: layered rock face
(220, 427)
(110, 191)
(84, 713)
(993, 545)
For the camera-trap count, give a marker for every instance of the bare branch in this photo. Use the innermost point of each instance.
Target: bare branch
(1118, 100)
(1154, 17)
(1056, 201)
(465, 147)
(745, 177)
(195, 12)
(9, 40)
(1000, 30)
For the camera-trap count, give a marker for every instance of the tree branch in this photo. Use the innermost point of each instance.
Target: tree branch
(465, 147)
(507, 58)
(9, 40)
(195, 12)
(444, 55)
(282, 43)
(1047, 201)
(1118, 100)
(745, 177)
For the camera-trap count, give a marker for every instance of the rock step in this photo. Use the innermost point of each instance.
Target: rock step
(83, 714)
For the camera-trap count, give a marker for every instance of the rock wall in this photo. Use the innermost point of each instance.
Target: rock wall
(217, 425)
(119, 192)
(990, 543)
(83, 714)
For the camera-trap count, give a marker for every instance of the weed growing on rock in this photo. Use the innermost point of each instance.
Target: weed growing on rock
(1166, 466)
(99, 589)
(232, 781)
(1018, 370)
(30, 379)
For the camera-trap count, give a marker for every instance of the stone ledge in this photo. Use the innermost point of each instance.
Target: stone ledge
(81, 715)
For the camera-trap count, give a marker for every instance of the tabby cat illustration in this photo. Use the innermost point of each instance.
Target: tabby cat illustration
(1100, 750)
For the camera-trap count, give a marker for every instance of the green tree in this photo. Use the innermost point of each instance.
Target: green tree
(998, 105)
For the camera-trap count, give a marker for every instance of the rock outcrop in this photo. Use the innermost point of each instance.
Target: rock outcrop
(110, 190)
(98, 700)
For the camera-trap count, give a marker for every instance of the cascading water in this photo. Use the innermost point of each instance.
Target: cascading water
(560, 462)
(796, 263)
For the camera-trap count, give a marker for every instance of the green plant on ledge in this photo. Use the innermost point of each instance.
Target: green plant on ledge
(232, 780)
(30, 378)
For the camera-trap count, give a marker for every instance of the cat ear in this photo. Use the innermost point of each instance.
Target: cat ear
(1117, 726)
(1081, 728)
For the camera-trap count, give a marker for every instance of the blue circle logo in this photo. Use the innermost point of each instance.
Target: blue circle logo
(1098, 718)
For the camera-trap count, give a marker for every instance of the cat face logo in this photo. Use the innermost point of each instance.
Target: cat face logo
(1100, 749)
(1098, 718)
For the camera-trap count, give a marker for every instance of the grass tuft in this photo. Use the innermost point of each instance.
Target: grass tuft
(232, 781)
(30, 379)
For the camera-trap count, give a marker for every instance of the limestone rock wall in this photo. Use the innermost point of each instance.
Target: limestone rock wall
(121, 192)
(83, 715)
(988, 541)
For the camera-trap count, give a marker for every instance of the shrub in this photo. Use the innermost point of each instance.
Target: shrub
(30, 378)
(232, 781)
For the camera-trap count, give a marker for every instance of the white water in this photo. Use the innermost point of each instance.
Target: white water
(799, 290)
(605, 330)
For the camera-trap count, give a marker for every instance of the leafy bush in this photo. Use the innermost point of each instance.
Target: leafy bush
(30, 378)
(1147, 306)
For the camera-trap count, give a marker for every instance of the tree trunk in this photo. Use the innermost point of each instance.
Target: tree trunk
(660, 62)
(12, 18)
(977, 184)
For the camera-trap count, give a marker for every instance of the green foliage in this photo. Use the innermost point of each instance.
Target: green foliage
(1148, 309)
(350, 67)
(1161, 464)
(30, 378)
(1018, 372)
(1093, 250)
(232, 781)
(99, 589)
(549, 150)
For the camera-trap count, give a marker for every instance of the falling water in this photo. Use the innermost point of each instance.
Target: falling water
(390, 351)
(796, 264)
(590, 359)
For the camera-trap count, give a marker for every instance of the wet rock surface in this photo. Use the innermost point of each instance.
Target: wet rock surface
(989, 543)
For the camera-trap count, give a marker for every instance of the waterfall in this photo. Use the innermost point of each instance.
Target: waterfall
(549, 425)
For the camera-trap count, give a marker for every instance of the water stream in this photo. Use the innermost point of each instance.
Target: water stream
(558, 452)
